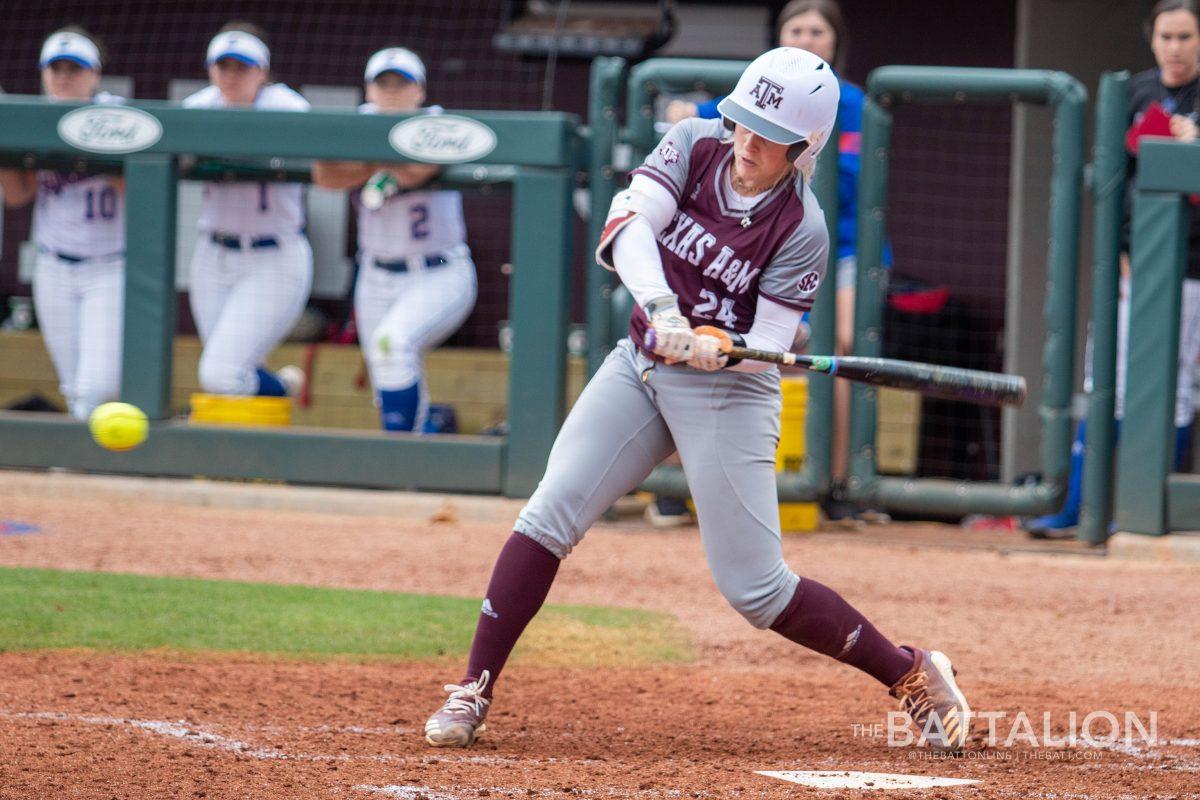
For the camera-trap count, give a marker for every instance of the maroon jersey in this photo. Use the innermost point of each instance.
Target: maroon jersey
(718, 258)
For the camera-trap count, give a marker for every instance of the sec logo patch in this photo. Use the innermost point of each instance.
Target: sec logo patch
(809, 282)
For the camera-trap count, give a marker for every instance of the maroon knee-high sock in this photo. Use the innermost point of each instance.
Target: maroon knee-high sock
(818, 618)
(520, 582)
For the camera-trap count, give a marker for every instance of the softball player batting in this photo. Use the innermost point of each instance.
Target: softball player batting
(79, 229)
(719, 237)
(416, 281)
(252, 268)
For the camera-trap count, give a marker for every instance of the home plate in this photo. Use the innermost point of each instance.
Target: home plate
(841, 779)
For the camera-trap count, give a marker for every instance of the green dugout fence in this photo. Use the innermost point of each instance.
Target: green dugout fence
(1150, 498)
(538, 152)
(538, 155)
(887, 87)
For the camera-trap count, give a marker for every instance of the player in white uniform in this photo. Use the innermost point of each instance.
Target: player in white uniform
(252, 269)
(79, 228)
(416, 281)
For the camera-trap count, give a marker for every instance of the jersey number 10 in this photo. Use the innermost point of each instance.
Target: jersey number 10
(102, 203)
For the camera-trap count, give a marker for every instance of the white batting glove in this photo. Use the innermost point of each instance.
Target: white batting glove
(710, 352)
(670, 335)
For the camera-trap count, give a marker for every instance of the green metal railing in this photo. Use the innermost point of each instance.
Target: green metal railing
(607, 84)
(1108, 193)
(542, 152)
(887, 87)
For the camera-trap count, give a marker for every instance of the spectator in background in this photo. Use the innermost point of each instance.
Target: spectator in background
(252, 268)
(1164, 101)
(416, 280)
(819, 27)
(79, 229)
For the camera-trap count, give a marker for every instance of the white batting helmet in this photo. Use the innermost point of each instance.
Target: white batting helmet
(788, 96)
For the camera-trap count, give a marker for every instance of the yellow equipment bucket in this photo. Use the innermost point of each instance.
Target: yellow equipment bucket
(794, 517)
(222, 409)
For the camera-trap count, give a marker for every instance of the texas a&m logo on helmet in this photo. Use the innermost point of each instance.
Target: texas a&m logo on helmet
(767, 93)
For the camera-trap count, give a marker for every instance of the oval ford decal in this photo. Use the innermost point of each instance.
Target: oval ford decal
(442, 139)
(109, 129)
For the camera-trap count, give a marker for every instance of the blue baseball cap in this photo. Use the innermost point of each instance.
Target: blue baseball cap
(244, 47)
(70, 46)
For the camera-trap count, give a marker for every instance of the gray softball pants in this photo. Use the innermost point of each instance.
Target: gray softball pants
(633, 414)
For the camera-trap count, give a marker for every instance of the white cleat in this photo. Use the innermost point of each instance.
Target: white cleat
(460, 720)
(930, 696)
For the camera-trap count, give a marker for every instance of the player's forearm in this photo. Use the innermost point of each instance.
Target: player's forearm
(19, 187)
(412, 176)
(638, 263)
(341, 174)
(774, 329)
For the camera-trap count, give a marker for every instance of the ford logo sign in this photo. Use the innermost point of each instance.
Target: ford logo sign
(442, 139)
(109, 129)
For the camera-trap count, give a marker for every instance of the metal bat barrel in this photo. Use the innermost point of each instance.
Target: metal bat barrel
(950, 383)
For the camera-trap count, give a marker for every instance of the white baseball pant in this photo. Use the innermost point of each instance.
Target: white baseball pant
(401, 315)
(80, 310)
(245, 302)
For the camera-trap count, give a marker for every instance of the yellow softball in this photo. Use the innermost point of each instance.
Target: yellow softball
(118, 426)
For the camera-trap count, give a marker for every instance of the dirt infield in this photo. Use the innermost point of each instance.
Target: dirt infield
(1032, 633)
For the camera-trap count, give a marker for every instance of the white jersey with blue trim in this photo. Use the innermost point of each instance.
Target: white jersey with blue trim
(79, 215)
(411, 223)
(252, 209)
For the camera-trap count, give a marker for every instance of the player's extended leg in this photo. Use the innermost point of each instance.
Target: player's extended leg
(727, 427)
(56, 301)
(267, 297)
(101, 314)
(427, 307)
(609, 443)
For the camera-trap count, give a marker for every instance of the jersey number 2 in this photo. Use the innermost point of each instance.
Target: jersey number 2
(705, 309)
(102, 203)
(420, 221)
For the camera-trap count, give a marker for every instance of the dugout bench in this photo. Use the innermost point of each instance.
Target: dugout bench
(539, 152)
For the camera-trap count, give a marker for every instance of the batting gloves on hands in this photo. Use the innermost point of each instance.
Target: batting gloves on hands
(670, 335)
(710, 351)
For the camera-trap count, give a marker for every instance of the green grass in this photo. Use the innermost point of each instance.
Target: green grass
(50, 609)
